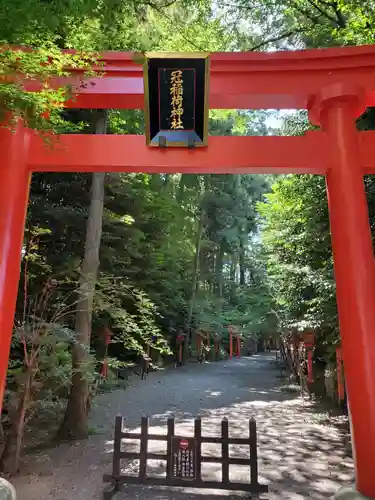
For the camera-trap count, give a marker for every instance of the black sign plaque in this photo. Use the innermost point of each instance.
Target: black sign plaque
(183, 458)
(176, 99)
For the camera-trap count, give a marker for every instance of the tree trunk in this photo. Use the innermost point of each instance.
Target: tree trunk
(233, 272)
(190, 335)
(242, 237)
(166, 180)
(75, 423)
(11, 454)
(233, 265)
(242, 259)
(219, 269)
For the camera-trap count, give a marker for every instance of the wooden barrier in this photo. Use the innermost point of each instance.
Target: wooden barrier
(183, 459)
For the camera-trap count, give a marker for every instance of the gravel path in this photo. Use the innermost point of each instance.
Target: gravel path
(299, 455)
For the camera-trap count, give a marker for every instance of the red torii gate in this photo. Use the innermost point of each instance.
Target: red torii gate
(335, 85)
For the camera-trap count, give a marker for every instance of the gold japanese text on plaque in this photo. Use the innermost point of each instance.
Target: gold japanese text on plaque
(177, 94)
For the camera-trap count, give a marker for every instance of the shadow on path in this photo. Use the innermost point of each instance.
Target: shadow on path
(299, 456)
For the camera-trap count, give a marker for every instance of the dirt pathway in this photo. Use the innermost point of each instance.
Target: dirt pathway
(300, 457)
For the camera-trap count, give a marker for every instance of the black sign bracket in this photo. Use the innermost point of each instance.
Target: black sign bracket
(191, 143)
(162, 141)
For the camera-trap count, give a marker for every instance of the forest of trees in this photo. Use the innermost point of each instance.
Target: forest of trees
(145, 255)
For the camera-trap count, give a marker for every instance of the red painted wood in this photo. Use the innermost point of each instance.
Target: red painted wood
(223, 155)
(340, 378)
(238, 346)
(128, 153)
(354, 272)
(14, 192)
(310, 377)
(308, 339)
(239, 80)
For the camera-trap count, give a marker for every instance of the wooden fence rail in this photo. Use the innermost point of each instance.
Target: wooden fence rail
(183, 458)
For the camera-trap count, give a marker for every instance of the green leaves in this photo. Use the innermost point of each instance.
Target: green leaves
(40, 109)
(89, 26)
(296, 240)
(296, 24)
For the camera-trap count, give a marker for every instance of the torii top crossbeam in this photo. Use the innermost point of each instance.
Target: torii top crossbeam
(241, 80)
(238, 81)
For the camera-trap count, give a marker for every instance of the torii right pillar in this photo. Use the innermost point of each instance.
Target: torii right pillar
(336, 110)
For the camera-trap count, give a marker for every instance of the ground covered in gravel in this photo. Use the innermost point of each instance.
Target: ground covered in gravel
(302, 454)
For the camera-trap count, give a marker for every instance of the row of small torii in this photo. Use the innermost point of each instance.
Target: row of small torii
(295, 343)
(203, 341)
(301, 348)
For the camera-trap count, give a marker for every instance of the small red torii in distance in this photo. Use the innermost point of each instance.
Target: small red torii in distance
(233, 335)
(335, 85)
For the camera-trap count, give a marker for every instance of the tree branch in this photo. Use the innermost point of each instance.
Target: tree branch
(278, 38)
(324, 2)
(305, 13)
(157, 6)
(341, 21)
(323, 12)
(193, 44)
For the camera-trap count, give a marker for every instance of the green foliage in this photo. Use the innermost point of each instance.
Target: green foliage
(294, 219)
(295, 236)
(135, 331)
(41, 109)
(296, 240)
(143, 286)
(86, 26)
(264, 25)
(40, 368)
(45, 349)
(231, 282)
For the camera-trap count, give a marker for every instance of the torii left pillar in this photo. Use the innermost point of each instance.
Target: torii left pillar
(14, 193)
